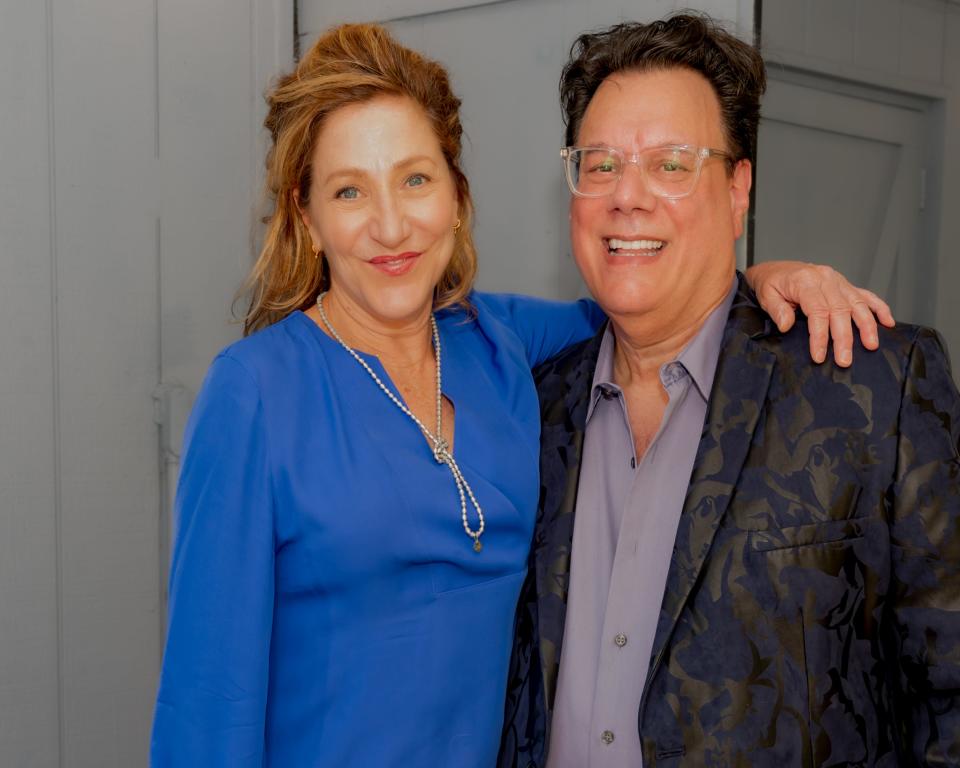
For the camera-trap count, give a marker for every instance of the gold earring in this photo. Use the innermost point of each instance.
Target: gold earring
(316, 250)
(456, 227)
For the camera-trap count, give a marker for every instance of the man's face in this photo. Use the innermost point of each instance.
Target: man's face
(690, 273)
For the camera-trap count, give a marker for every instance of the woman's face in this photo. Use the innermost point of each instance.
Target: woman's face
(382, 207)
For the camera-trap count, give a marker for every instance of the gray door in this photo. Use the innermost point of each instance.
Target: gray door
(129, 160)
(840, 181)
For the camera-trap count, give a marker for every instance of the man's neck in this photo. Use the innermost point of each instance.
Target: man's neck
(644, 343)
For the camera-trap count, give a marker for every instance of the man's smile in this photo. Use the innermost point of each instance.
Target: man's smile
(639, 247)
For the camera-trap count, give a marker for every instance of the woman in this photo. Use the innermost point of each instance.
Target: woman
(358, 490)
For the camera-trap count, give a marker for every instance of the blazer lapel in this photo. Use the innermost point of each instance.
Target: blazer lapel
(564, 404)
(739, 389)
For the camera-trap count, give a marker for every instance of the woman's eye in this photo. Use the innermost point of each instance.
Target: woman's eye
(347, 193)
(417, 180)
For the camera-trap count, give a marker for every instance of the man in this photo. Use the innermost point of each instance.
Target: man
(741, 557)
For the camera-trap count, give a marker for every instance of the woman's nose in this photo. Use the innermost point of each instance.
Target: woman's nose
(389, 223)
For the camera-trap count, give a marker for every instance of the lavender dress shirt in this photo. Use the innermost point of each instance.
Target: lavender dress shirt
(625, 524)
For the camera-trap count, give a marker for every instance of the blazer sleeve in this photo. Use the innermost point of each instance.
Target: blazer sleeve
(213, 686)
(925, 538)
(545, 327)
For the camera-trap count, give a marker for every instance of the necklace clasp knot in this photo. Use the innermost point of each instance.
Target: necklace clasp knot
(441, 451)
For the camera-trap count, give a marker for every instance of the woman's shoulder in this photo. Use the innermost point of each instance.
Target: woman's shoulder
(276, 349)
(507, 304)
(543, 326)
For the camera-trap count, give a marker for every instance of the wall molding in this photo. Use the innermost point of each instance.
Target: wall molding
(315, 17)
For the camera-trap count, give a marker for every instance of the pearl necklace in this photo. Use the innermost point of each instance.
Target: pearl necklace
(441, 449)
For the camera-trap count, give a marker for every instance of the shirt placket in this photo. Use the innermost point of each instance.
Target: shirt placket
(627, 635)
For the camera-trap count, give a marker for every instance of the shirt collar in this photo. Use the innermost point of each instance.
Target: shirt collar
(697, 360)
(603, 385)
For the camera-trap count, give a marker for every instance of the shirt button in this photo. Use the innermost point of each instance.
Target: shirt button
(607, 737)
(620, 640)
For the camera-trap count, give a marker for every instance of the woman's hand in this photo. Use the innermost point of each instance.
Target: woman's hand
(828, 300)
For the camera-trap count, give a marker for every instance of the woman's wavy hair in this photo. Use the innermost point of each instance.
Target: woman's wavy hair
(349, 64)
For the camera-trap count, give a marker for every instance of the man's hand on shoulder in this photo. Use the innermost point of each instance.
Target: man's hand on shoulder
(831, 303)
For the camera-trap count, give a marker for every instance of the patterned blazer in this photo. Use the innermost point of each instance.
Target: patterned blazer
(811, 615)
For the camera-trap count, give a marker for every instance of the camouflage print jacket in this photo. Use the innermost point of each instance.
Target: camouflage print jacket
(811, 615)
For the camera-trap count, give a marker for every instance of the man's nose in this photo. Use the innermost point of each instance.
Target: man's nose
(632, 191)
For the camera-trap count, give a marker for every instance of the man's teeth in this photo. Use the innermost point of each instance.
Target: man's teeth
(634, 245)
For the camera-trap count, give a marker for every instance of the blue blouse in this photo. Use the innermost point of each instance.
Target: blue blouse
(326, 606)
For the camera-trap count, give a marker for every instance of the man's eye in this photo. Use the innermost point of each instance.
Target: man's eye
(674, 163)
(347, 193)
(417, 180)
(605, 166)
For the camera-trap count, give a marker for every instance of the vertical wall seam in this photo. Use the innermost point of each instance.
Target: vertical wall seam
(163, 512)
(163, 500)
(296, 31)
(944, 43)
(900, 39)
(55, 372)
(752, 207)
(255, 43)
(857, 31)
(156, 79)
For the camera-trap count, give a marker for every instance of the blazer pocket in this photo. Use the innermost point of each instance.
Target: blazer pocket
(811, 534)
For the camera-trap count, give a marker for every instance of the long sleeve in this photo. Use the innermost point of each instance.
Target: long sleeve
(545, 327)
(926, 557)
(213, 687)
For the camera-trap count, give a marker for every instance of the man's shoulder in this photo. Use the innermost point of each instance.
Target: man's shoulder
(896, 344)
(572, 367)
(896, 347)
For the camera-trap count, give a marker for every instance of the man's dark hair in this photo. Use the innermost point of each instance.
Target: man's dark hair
(734, 69)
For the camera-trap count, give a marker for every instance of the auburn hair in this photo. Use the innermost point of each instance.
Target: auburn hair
(349, 64)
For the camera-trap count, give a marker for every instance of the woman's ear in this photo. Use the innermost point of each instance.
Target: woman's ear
(305, 218)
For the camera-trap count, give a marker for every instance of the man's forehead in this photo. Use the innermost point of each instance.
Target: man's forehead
(663, 106)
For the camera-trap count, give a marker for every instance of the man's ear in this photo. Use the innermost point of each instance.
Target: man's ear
(740, 183)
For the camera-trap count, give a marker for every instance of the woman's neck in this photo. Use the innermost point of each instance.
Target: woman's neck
(404, 343)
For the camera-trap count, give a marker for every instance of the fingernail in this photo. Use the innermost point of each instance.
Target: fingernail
(845, 358)
(821, 355)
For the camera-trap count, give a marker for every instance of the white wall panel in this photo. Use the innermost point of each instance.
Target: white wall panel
(922, 48)
(905, 47)
(106, 208)
(835, 23)
(948, 172)
(888, 43)
(878, 34)
(130, 158)
(29, 659)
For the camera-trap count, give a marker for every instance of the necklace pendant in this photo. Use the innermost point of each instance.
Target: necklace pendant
(477, 546)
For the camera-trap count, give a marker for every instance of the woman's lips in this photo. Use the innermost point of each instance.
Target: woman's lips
(395, 264)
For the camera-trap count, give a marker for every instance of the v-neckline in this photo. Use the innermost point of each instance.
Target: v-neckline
(381, 371)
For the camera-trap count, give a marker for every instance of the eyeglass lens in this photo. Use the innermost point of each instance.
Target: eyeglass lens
(668, 171)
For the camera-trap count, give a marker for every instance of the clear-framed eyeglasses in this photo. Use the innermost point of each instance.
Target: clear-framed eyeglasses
(670, 172)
